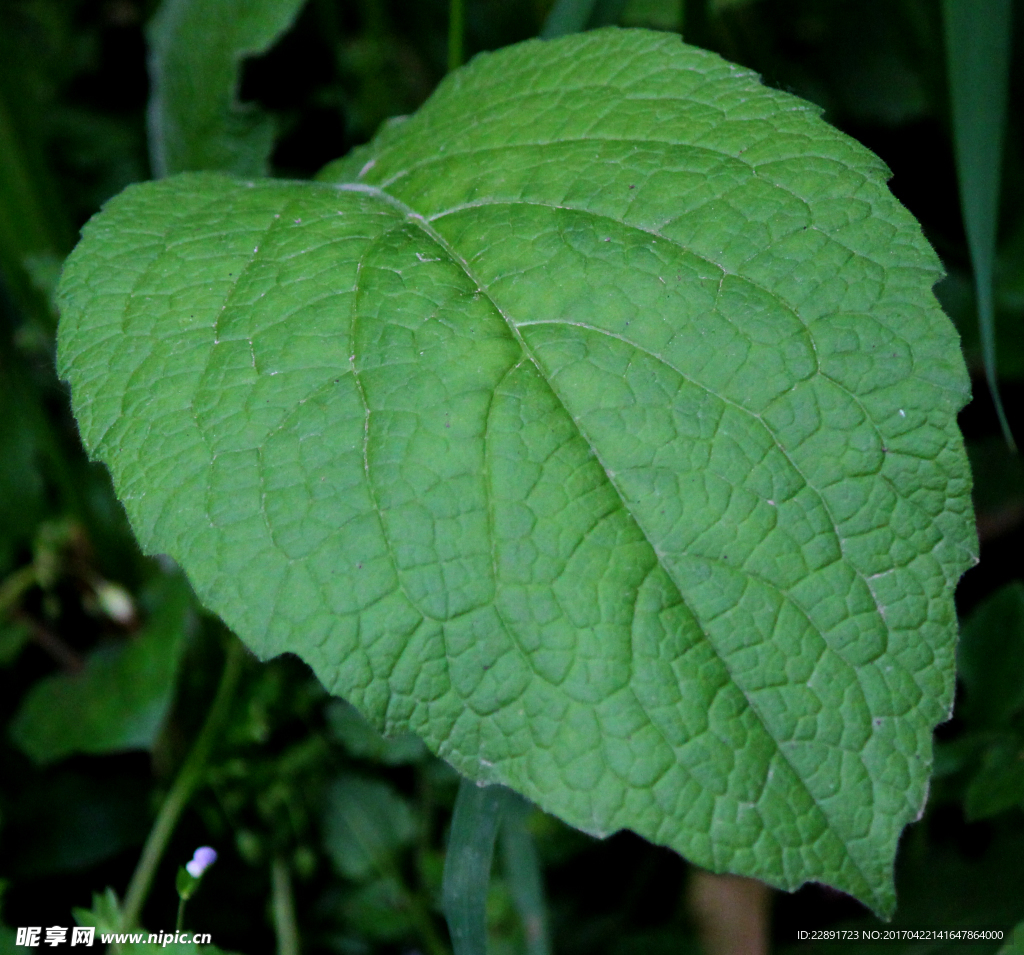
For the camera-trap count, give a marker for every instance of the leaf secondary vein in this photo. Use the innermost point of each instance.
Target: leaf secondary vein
(414, 217)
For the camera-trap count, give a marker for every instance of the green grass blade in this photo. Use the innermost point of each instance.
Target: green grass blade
(522, 871)
(456, 32)
(467, 865)
(978, 55)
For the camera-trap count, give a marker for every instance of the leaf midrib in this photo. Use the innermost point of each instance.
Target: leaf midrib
(868, 417)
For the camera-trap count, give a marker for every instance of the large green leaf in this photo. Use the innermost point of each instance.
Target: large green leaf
(597, 424)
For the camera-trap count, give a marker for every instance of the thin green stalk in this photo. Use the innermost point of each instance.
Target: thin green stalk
(181, 915)
(285, 926)
(15, 586)
(181, 791)
(456, 31)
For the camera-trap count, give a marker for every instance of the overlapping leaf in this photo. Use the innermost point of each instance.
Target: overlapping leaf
(597, 423)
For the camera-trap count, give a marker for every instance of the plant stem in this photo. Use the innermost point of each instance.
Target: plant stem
(181, 791)
(181, 915)
(284, 908)
(15, 586)
(456, 30)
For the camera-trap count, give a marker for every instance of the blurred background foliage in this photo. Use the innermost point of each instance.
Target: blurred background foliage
(328, 833)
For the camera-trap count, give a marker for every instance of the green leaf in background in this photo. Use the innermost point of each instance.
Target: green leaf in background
(105, 914)
(365, 824)
(65, 821)
(1015, 944)
(14, 634)
(991, 660)
(655, 14)
(21, 479)
(349, 727)
(998, 486)
(978, 36)
(574, 16)
(567, 16)
(599, 428)
(196, 50)
(105, 917)
(119, 699)
(991, 666)
(999, 784)
(379, 910)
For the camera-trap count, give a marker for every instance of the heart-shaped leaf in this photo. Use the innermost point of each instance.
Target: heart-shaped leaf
(597, 423)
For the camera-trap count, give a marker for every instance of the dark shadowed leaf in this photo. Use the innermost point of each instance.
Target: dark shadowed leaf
(119, 699)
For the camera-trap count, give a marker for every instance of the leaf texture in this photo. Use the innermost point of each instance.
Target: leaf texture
(597, 424)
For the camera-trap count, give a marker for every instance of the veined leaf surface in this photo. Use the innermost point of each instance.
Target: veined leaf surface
(597, 423)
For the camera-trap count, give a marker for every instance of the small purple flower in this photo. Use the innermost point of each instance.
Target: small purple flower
(202, 859)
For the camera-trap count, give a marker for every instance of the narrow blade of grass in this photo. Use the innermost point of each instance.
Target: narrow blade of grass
(978, 36)
(467, 865)
(456, 33)
(522, 870)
